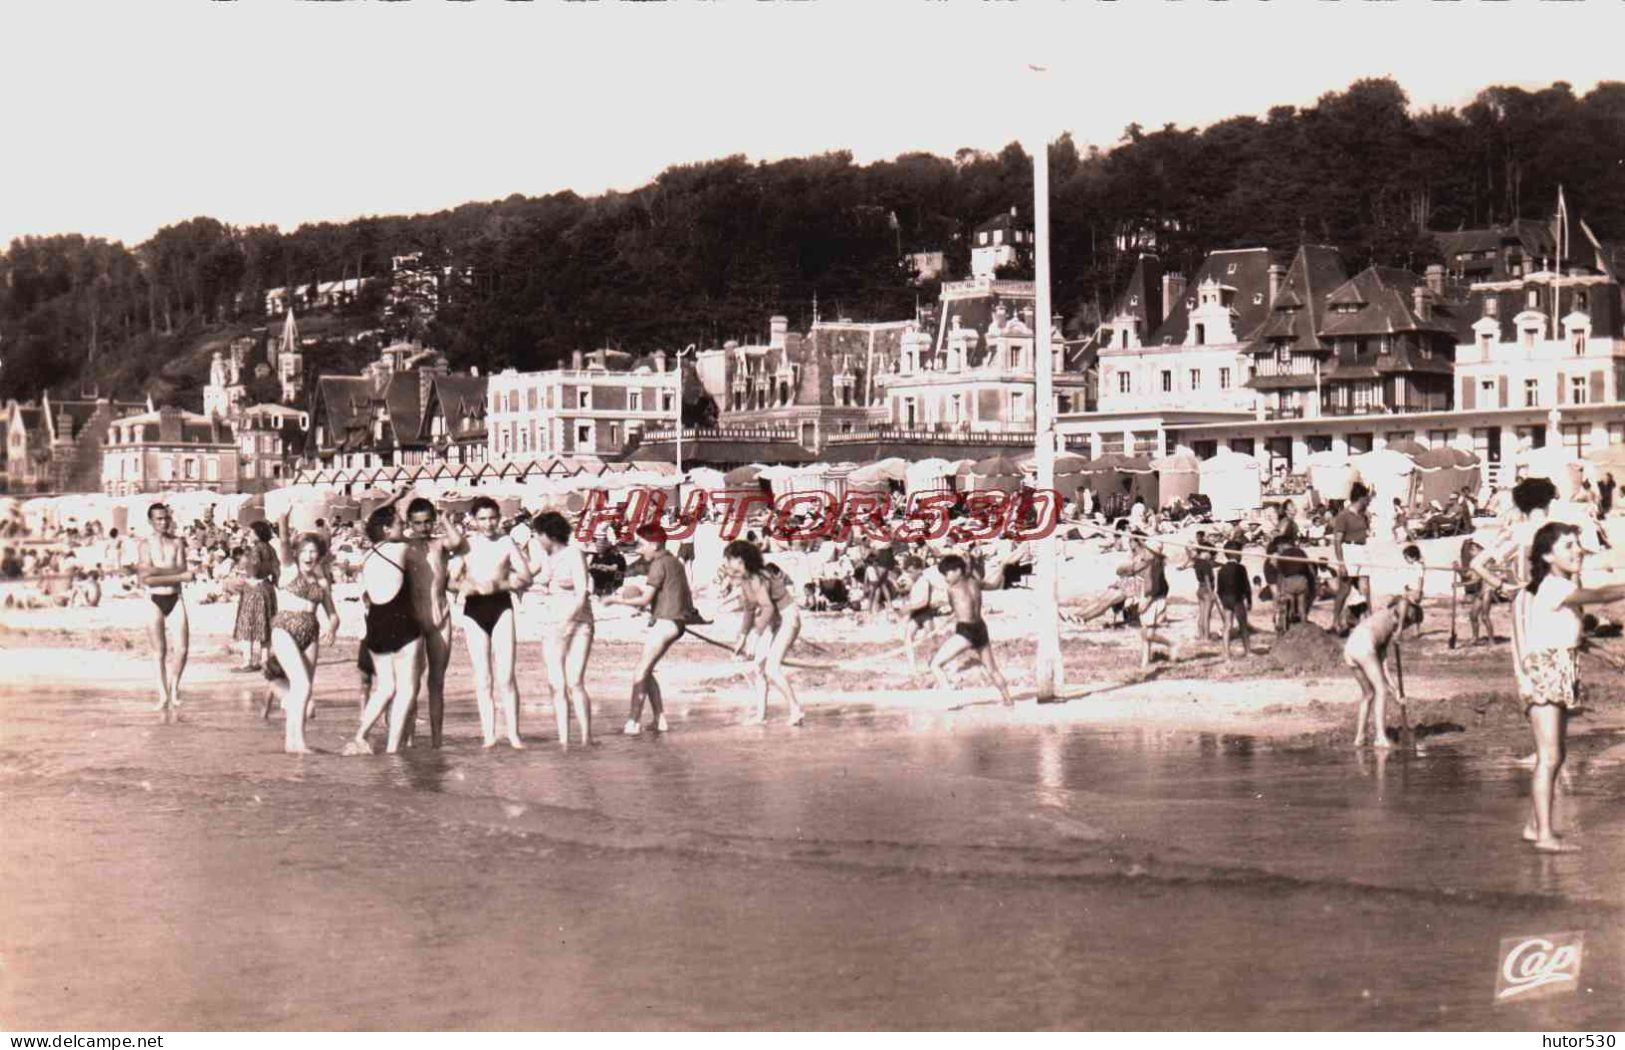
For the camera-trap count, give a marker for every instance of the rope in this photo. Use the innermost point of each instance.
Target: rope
(1306, 560)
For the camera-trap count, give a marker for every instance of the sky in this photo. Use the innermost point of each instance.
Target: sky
(122, 117)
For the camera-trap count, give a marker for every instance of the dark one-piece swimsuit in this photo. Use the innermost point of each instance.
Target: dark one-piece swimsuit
(487, 609)
(393, 625)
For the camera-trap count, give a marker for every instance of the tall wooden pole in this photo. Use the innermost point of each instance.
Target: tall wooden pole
(1047, 672)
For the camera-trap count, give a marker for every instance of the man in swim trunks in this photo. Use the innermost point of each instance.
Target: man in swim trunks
(493, 571)
(428, 569)
(970, 630)
(161, 568)
(393, 637)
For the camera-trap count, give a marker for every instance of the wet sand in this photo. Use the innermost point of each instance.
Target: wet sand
(1196, 850)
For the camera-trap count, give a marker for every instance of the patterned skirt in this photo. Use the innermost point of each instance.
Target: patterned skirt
(1551, 676)
(255, 607)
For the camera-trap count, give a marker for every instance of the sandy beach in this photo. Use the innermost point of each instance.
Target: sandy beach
(906, 859)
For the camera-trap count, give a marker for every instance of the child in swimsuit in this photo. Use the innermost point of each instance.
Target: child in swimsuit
(970, 630)
(1235, 594)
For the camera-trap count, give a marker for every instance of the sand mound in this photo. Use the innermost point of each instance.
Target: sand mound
(1306, 649)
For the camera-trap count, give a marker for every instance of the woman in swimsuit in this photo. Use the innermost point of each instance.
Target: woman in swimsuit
(394, 638)
(770, 625)
(291, 667)
(567, 641)
(493, 571)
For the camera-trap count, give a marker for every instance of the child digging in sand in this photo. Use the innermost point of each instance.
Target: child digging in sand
(1366, 652)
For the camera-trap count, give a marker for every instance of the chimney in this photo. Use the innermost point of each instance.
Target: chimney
(1277, 278)
(1422, 303)
(1173, 290)
(169, 424)
(575, 360)
(1436, 279)
(474, 370)
(660, 360)
(1492, 306)
(777, 327)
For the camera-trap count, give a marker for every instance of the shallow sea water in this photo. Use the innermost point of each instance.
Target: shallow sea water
(884, 869)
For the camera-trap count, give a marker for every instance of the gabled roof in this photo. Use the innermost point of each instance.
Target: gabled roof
(455, 397)
(1001, 221)
(975, 313)
(32, 418)
(1386, 299)
(1141, 298)
(1250, 280)
(402, 397)
(80, 412)
(1299, 310)
(343, 405)
(1532, 235)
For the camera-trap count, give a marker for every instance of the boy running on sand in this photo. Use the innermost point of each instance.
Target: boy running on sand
(970, 630)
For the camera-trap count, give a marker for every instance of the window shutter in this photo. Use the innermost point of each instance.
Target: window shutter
(1469, 391)
(1503, 392)
(1562, 389)
(1599, 387)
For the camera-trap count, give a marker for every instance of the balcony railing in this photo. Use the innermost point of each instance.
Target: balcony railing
(650, 436)
(945, 437)
(1283, 412)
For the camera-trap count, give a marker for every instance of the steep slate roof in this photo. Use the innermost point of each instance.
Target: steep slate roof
(1001, 221)
(1141, 298)
(975, 313)
(1251, 280)
(1385, 295)
(1300, 310)
(80, 413)
(33, 419)
(343, 406)
(1603, 304)
(402, 396)
(456, 396)
(1532, 235)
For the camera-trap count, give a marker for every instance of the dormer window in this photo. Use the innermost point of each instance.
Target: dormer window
(1134, 300)
(1258, 298)
(1230, 269)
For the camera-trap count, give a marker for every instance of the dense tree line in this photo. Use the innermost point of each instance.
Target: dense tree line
(707, 252)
